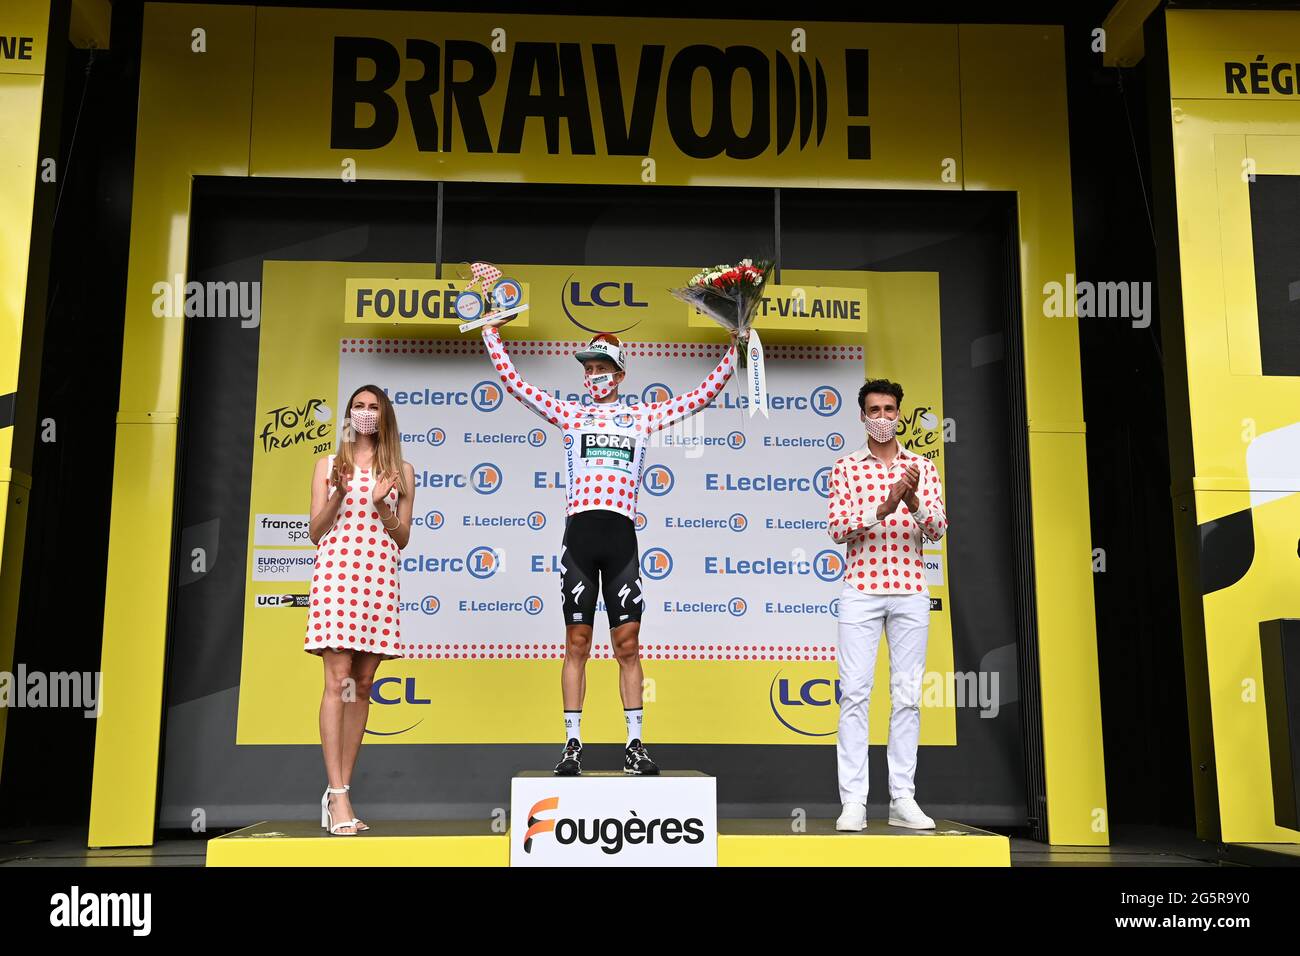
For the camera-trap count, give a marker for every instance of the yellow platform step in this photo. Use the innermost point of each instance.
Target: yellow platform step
(740, 843)
(387, 843)
(775, 843)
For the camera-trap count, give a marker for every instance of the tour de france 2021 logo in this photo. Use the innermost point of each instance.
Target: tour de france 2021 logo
(307, 423)
(922, 431)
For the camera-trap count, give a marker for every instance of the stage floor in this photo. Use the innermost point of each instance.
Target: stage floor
(64, 846)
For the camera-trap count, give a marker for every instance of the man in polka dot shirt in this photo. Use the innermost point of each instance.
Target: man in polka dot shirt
(885, 501)
(604, 453)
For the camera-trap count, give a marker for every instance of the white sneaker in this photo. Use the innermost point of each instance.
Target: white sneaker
(853, 818)
(904, 812)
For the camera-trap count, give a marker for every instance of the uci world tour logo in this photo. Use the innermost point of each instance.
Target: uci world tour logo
(482, 562)
(486, 396)
(658, 480)
(485, 478)
(828, 565)
(822, 481)
(656, 392)
(537, 826)
(656, 564)
(825, 400)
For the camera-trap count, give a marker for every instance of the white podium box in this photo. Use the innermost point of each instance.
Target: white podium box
(614, 819)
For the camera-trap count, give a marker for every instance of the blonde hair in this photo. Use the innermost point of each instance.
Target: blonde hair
(387, 461)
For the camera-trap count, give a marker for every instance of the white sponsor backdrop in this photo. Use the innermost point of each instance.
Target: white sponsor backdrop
(736, 561)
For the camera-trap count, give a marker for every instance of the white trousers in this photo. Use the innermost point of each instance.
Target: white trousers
(905, 619)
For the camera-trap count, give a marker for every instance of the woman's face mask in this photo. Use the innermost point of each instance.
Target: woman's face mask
(882, 429)
(599, 386)
(365, 421)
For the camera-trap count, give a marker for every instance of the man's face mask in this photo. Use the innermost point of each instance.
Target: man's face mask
(599, 386)
(882, 429)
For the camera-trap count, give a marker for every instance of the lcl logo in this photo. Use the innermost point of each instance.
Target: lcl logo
(601, 295)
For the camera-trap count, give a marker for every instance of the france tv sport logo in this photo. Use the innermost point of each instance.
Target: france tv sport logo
(656, 564)
(825, 400)
(486, 396)
(537, 437)
(485, 478)
(658, 480)
(536, 520)
(533, 604)
(482, 562)
(828, 565)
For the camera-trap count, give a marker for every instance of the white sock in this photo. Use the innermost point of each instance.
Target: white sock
(635, 716)
(573, 725)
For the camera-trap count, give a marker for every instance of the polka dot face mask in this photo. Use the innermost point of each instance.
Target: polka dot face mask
(599, 386)
(365, 421)
(882, 429)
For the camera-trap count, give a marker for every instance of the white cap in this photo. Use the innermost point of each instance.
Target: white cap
(601, 349)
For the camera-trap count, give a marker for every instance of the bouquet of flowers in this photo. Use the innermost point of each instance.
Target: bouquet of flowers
(730, 295)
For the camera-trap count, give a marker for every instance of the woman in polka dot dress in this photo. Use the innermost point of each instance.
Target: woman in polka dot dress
(361, 500)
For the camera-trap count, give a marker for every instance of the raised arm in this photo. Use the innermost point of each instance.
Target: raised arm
(660, 415)
(544, 404)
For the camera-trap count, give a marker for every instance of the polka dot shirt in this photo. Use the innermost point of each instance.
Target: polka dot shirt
(884, 554)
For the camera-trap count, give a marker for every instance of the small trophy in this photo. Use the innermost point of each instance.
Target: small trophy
(730, 295)
(499, 297)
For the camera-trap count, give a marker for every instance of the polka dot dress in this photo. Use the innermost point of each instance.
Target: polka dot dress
(355, 591)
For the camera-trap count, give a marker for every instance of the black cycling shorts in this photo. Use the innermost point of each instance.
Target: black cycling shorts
(600, 546)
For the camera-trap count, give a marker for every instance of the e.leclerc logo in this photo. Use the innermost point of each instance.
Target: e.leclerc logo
(486, 396)
(658, 480)
(485, 478)
(482, 562)
(825, 400)
(656, 392)
(656, 564)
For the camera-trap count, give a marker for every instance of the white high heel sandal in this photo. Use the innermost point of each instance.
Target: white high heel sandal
(361, 827)
(327, 815)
